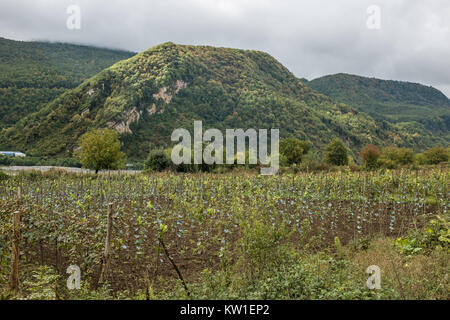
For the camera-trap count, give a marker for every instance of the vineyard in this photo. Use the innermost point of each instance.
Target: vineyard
(223, 236)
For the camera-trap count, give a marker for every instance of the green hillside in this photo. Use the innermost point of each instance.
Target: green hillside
(34, 73)
(414, 107)
(169, 86)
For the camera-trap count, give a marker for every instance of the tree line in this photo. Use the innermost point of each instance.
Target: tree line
(300, 154)
(100, 149)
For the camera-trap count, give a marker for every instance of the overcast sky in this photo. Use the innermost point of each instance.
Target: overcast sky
(311, 38)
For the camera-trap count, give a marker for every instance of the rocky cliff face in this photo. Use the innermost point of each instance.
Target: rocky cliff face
(169, 86)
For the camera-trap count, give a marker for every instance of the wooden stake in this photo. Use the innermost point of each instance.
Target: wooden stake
(14, 275)
(107, 252)
(180, 276)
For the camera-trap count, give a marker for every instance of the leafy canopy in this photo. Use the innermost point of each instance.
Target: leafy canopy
(369, 155)
(158, 160)
(34, 73)
(100, 149)
(166, 87)
(293, 150)
(336, 153)
(436, 155)
(421, 111)
(399, 156)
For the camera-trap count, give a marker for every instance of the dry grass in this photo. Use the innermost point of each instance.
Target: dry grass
(414, 277)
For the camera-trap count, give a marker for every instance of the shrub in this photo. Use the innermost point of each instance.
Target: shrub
(306, 145)
(387, 163)
(398, 156)
(311, 161)
(436, 155)
(3, 176)
(4, 160)
(158, 160)
(292, 150)
(40, 161)
(420, 159)
(336, 153)
(370, 155)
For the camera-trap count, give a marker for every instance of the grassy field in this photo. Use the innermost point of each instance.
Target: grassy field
(229, 236)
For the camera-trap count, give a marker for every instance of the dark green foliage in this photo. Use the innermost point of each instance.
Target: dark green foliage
(39, 161)
(392, 156)
(158, 160)
(34, 73)
(436, 155)
(100, 150)
(417, 109)
(169, 86)
(312, 161)
(419, 159)
(370, 155)
(306, 146)
(4, 160)
(336, 153)
(3, 176)
(293, 149)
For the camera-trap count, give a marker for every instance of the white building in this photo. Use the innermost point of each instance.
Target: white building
(13, 154)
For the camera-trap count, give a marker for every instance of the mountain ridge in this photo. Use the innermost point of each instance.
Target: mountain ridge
(34, 73)
(169, 86)
(399, 102)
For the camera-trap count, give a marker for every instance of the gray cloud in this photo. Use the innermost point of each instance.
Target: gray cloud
(311, 38)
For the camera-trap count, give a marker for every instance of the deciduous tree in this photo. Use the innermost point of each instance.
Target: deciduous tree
(336, 153)
(369, 155)
(100, 150)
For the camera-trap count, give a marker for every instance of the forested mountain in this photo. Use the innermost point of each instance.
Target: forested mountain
(414, 107)
(34, 73)
(169, 86)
